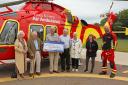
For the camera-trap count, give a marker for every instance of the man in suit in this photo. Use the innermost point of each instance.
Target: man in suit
(34, 49)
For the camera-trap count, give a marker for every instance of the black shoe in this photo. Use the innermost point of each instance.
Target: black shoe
(91, 71)
(112, 75)
(103, 73)
(31, 74)
(21, 75)
(85, 70)
(56, 71)
(68, 70)
(38, 73)
(62, 70)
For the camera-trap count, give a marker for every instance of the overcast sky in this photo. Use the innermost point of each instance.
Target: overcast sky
(89, 10)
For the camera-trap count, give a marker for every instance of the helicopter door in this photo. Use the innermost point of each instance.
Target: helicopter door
(39, 29)
(8, 36)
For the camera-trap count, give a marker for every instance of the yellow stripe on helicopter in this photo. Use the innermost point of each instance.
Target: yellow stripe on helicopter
(78, 29)
(88, 32)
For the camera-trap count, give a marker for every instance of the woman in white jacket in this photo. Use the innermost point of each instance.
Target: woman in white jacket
(75, 51)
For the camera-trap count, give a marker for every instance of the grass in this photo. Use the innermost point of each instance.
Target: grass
(121, 47)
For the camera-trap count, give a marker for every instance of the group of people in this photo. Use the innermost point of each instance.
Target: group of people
(69, 59)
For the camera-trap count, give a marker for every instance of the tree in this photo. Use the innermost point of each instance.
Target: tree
(102, 22)
(117, 26)
(122, 21)
(123, 17)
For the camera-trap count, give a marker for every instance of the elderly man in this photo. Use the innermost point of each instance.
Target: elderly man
(34, 49)
(108, 52)
(65, 56)
(53, 56)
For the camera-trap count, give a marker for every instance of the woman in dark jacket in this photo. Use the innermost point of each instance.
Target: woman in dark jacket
(92, 48)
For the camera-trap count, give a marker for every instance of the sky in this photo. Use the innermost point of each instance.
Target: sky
(90, 10)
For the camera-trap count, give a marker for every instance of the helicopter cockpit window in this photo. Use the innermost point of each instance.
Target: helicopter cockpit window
(39, 29)
(9, 33)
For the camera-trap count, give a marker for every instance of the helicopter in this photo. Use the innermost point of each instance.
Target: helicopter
(40, 16)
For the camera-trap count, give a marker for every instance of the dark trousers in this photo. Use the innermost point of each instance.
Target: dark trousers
(92, 62)
(65, 60)
(75, 63)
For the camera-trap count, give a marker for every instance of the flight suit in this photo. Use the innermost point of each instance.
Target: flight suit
(108, 53)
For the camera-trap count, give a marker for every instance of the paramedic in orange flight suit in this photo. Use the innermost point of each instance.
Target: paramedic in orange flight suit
(108, 52)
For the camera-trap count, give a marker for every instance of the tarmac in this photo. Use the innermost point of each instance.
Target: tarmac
(70, 78)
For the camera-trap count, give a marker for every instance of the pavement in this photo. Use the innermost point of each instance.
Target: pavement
(70, 78)
(120, 57)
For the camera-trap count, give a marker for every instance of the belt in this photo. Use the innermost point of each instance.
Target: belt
(37, 50)
(66, 48)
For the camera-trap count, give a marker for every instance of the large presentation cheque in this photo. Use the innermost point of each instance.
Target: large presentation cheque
(53, 47)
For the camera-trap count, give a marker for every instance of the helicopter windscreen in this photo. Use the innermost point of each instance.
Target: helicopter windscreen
(9, 33)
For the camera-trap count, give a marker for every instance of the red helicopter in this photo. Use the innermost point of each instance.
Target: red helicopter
(40, 16)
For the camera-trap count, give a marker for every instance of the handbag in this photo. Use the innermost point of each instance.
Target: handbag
(14, 74)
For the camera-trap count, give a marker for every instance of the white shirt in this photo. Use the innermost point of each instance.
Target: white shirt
(36, 44)
(54, 37)
(66, 40)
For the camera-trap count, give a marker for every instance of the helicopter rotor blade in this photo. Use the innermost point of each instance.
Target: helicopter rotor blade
(110, 7)
(12, 3)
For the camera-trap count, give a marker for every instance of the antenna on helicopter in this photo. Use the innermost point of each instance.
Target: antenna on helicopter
(110, 7)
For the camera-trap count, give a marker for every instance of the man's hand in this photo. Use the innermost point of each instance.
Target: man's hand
(31, 57)
(114, 48)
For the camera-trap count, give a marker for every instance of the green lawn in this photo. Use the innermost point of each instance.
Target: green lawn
(122, 45)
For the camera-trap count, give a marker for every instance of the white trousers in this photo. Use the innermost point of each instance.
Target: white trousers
(54, 58)
(35, 63)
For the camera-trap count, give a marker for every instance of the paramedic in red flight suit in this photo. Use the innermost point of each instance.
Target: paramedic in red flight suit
(108, 52)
